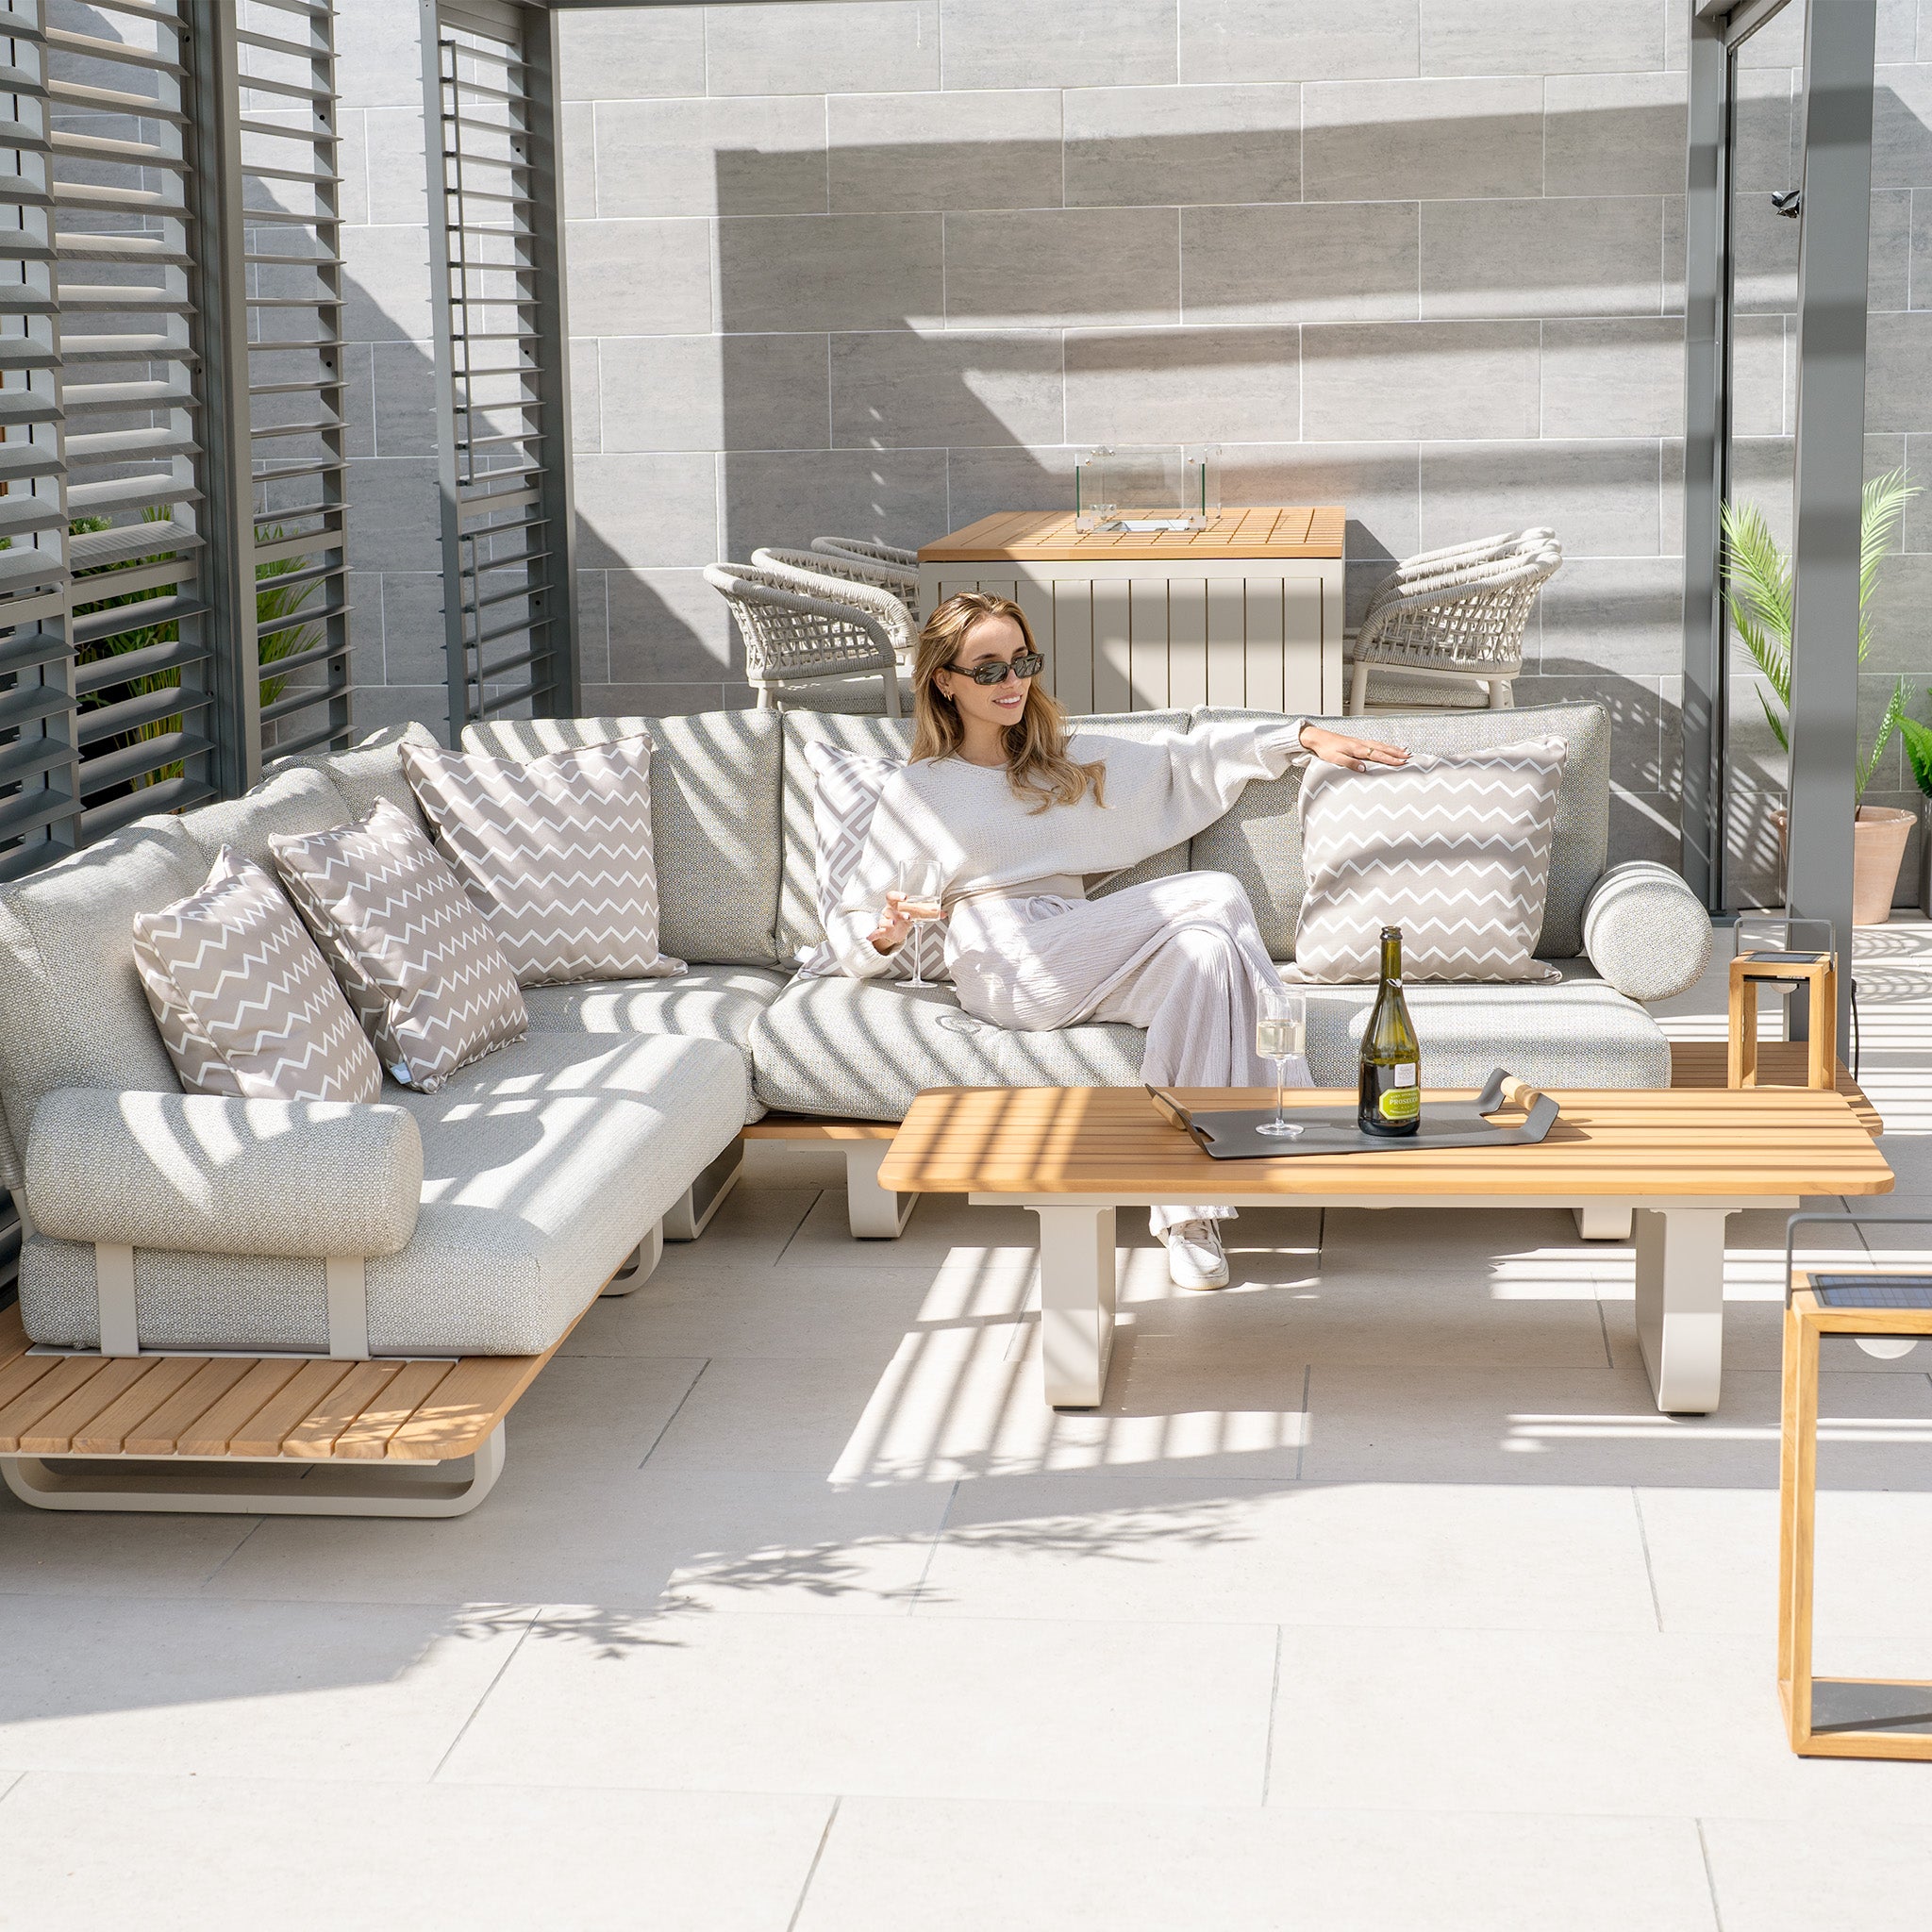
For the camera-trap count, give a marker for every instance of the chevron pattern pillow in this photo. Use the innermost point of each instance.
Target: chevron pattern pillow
(844, 794)
(1452, 847)
(429, 984)
(555, 853)
(244, 1001)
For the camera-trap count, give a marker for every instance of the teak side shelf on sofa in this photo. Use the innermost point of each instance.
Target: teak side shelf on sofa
(328, 1423)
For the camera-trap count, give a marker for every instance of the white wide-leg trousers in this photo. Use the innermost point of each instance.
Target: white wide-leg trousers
(1181, 957)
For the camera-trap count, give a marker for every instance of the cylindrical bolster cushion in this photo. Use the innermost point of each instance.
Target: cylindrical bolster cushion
(1646, 931)
(202, 1173)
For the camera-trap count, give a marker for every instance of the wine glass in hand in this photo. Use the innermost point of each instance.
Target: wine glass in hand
(920, 882)
(1281, 1032)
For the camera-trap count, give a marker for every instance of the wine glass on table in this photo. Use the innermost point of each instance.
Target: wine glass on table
(1281, 1034)
(920, 882)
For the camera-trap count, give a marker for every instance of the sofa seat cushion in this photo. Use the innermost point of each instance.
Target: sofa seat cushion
(543, 1167)
(1576, 1033)
(707, 1003)
(862, 1049)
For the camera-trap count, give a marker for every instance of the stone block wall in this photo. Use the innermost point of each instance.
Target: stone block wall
(879, 267)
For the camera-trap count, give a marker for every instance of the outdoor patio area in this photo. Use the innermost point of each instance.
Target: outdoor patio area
(690, 693)
(1380, 1594)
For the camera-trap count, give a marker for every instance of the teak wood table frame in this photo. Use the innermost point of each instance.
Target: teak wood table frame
(1834, 1717)
(1684, 1160)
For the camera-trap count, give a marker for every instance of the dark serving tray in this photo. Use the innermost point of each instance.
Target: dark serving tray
(1230, 1135)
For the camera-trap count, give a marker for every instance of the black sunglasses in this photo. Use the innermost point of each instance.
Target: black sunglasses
(1028, 664)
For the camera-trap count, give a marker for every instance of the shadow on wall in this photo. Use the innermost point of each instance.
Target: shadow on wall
(967, 315)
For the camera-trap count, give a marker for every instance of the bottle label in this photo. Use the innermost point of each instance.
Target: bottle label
(1404, 1076)
(1401, 1103)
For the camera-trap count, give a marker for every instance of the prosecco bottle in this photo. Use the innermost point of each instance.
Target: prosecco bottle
(1392, 1100)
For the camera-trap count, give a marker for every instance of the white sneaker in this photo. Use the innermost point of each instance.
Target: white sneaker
(1195, 1258)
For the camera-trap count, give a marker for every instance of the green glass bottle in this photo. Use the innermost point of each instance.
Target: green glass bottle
(1392, 1098)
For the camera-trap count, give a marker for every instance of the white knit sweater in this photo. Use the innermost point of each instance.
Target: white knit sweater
(1159, 792)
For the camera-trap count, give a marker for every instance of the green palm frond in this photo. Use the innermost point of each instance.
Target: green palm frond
(1881, 510)
(1918, 739)
(1894, 718)
(1759, 576)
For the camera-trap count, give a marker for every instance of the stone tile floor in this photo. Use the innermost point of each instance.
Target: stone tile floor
(1379, 1596)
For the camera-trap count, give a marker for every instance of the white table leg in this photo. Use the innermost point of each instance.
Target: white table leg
(1680, 1304)
(874, 1213)
(1603, 1221)
(1076, 1302)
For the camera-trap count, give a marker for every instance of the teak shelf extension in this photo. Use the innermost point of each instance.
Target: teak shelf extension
(298, 1435)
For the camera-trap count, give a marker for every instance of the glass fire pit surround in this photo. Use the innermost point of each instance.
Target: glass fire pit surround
(1147, 489)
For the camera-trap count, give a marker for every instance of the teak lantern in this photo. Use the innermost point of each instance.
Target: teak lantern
(1814, 969)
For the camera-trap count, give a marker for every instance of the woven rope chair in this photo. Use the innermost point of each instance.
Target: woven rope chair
(866, 552)
(814, 653)
(818, 573)
(1446, 627)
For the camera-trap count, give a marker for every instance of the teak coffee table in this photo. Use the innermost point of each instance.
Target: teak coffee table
(1685, 1160)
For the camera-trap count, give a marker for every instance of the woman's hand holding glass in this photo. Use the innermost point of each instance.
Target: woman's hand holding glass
(912, 900)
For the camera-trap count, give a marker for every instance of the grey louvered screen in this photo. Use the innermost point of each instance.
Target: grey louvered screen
(39, 790)
(128, 236)
(292, 221)
(502, 342)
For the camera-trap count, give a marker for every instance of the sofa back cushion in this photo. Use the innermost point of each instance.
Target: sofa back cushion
(799, 928)
(287, 803)
(373, 768)
(1258, 840)
(73, 1011)
(714, 821)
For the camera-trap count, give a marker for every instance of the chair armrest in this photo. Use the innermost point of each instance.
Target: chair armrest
(205, 1174)
(1646, 931)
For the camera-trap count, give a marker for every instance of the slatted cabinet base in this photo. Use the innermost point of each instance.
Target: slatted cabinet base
(271, 1435)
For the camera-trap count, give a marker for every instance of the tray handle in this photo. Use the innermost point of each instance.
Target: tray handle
(1504, 1088)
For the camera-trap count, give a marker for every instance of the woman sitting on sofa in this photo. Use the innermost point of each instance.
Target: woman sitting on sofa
(1020, 816)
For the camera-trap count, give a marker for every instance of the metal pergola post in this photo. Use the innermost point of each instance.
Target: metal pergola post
(1829, 468)
(1829, 463)
(1706, 448)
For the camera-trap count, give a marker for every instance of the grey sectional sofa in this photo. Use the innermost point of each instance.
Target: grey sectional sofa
(483, 1217)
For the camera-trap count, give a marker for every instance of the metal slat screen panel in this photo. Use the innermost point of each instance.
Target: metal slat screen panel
(509, 583)
(38, 754)
(132, 386)
(291, 239)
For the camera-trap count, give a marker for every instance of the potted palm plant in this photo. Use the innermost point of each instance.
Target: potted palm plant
(1918, 739)
(1758, 572)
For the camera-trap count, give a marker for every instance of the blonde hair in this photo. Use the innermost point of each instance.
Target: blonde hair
(1038, 766)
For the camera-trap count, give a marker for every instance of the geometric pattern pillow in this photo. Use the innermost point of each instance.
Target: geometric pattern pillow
(429, 984)
(845, 794)
(555, 853)
(1452, 847)
(244, 1001)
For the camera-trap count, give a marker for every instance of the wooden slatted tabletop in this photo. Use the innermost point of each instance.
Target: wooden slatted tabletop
(1780, 1063)
(1765, 1143)
(1050, 537)
(265, 1407)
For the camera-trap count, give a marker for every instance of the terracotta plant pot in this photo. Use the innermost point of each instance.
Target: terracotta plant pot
(1877, 852)
(1878, 849)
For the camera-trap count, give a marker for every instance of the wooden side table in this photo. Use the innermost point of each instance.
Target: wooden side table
(1818, 974)
(1245, 613)
(1836, 1717)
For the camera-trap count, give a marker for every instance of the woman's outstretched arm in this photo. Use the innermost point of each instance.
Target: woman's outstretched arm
(1210, 766)
(1343, 748)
